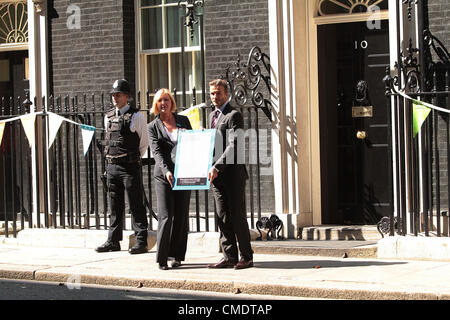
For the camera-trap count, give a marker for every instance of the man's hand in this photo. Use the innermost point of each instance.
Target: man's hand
(212, 174)
(169, 177)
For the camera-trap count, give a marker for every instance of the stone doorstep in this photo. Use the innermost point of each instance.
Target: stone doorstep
(368, 233)
(369, 252)
(414, 248)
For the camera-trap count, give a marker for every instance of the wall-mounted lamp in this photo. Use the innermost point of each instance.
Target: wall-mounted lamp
(38, 5)
(192, 12)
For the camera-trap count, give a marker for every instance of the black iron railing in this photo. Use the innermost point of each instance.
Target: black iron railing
(422, 162)
(15, 171)
(67, 184)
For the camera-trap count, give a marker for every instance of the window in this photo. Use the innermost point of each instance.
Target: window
(350, 6)
(13, 23)
(160, 46)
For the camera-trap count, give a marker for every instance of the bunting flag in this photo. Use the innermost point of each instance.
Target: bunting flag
(87, 132)
(420, 114)
(28, 121)
(421, 111)
(193, 114)
(426, 104)
(54, 123)
(2, 128)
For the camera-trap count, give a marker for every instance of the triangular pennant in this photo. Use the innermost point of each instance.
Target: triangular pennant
(28, 126)
(87, 132)
(420, 114)
(54, 123)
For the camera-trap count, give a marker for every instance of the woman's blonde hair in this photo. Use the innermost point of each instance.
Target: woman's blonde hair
(158, 96)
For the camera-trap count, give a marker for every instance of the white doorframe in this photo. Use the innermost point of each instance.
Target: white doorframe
(294, 61)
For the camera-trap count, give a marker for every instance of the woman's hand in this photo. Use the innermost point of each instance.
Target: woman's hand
(169, 177)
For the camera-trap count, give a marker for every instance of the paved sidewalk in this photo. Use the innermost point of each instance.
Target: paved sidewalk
(273, 274)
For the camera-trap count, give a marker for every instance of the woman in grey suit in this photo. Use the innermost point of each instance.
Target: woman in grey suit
(172, 206)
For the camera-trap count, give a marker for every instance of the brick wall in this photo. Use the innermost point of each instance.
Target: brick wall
(89, 59)
(233, 27)
(437, 14)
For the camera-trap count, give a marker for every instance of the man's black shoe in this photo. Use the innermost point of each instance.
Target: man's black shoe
(108, 247)
(138, 249)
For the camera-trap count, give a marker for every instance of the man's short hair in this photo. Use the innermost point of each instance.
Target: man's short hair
(219, 83)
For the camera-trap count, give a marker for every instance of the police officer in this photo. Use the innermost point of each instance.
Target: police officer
(126, 142)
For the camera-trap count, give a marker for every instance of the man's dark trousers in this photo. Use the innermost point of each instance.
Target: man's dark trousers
(123, 178)
(229, 194)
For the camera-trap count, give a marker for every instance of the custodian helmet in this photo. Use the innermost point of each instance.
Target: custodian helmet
(122, 86)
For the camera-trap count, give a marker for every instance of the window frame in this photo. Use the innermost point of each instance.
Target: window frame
(17, 45)
(142, 55)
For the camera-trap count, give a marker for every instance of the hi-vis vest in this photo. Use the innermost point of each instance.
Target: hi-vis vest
(119, 138)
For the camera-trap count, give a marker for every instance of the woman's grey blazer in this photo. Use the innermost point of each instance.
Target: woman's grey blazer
(163, 149)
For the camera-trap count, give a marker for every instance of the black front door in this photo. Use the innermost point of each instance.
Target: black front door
(13, 82)
(355, 175)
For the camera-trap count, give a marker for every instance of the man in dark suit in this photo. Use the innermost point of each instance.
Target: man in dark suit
(228, 178)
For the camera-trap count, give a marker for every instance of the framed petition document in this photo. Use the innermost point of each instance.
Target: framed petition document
(193, 160)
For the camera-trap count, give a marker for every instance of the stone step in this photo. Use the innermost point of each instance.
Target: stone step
(331, 248)
(331, 232)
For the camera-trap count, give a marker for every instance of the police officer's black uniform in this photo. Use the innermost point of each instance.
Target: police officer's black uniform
(123, 174)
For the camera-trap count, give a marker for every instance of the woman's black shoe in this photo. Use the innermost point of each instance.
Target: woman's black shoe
(175, 263)
(163, 267)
